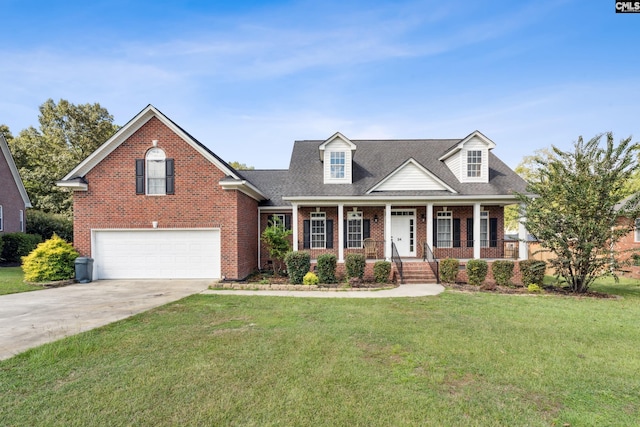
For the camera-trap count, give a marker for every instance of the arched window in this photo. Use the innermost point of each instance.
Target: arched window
(156, 171)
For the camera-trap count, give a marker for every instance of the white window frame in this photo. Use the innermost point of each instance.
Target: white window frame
(156, 170)
(21, 220)
(355, 233)
(338, 165)
(444, 217)
(1, 219)
(281, 219)
(474, 164)
(636, 233)
(318, 230)
(484, 229)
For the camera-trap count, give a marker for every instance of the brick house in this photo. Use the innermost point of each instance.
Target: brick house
(154, 202)
(14, 200)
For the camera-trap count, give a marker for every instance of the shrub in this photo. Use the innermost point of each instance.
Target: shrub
(51, 260)
(298, 264)
(276, 238)
(354, 264)
(327, 268)
(502, 272)
(310, 279)
(449, 270)
(381, 271)
(18, 245)
(477, 271)
(532, 271)
(47, 224)
(533, 288)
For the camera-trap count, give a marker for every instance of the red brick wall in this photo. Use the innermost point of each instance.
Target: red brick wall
(10, 199)
(625, 248)
(199, 201)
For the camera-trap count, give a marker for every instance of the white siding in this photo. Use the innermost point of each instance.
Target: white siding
(335, 146)
(453, 163)
(410, 177)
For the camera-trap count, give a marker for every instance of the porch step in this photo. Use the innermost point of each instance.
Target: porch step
(417, 272)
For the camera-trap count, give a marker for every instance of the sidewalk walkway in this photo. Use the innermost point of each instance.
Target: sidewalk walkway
(400, 291)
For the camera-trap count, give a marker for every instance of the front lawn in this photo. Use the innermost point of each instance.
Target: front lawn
(457, 359)
(11, 281)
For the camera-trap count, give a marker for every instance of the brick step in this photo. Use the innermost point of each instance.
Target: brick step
(417, 272)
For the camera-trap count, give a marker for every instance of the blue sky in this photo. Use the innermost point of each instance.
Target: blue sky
(247, 78)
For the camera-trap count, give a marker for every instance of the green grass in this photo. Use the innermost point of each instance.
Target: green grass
(11, 281)
(456, 359)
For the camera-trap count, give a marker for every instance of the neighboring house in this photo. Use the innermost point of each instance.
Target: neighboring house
(14, 200)
(154, 202)
(627, 249)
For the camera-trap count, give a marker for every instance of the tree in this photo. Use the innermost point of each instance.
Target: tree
(240, 166)
(529, 170)
(276, 237)
(68, 133)
(573, 208)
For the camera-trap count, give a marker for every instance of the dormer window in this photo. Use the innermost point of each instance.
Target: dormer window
(337, 165)
(474, 164)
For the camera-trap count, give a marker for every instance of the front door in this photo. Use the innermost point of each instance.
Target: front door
(403, 232)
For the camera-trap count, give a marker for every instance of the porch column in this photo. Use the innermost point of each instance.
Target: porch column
(476, 231)
(340, 232)
(523, 245)
(294, 225)
(430, 225)
(387, 232)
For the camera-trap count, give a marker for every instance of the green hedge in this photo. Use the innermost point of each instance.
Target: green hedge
(502, 272)
(17, 245)
(532, 272)
(298, 264)
(48, 224)
(354, 264)
(449, 270)
(381, 271)
(327, 268)
(477, 271)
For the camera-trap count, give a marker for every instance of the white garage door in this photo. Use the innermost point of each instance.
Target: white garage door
(156, 254)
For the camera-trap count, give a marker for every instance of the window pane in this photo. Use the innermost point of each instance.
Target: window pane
(445, 230)
(474, 163)
(318, 230)
(354, 230)
(337, 165)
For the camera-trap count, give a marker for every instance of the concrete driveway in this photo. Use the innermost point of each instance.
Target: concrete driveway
(30, 319)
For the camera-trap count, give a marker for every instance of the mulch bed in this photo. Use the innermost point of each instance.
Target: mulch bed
(546, 290)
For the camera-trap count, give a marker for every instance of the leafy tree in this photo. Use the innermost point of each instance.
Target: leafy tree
(276, 238)
(573, 213)
(529, 170)
(240, 166)
(67, 134)
(4, 131)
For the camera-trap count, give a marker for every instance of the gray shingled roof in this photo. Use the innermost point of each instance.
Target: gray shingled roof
(373, 161)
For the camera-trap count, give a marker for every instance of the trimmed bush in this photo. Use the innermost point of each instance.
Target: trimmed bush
(533, 288)
(18, 245)
(310, 279)
(502, 272)
(354, 264)
(327, 268)
(449, 270)
(477, 271)
(50, 261)
(48, 224)
(298, 264)
(532, 272)
(381, 271)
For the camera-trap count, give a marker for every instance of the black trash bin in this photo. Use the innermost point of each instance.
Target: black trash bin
(84, 269)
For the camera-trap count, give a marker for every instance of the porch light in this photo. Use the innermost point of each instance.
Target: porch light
(422, 217)
(375, 219)
(154, 224)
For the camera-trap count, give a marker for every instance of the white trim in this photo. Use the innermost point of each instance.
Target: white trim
(490, 144)
(377, 199)
(75, 185)
(1, 219)
(419, 166)
(340, 232)
(243, 186)
(336, 135)
(21, 219)
(448, 216)
(4, 147)
(636, 231)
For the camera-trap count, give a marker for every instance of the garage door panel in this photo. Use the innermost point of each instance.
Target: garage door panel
(136, 254)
